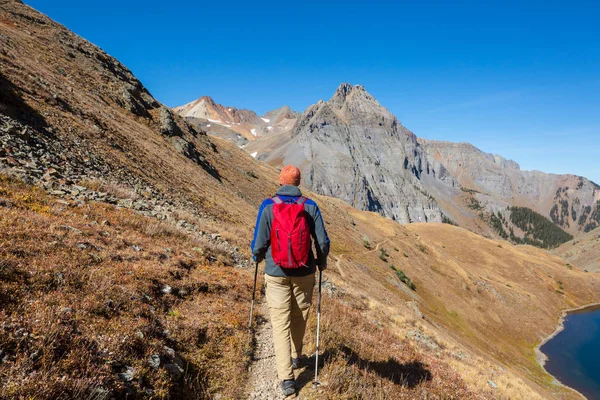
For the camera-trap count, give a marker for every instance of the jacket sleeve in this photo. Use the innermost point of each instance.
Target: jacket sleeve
(320, 236)
(262, 234)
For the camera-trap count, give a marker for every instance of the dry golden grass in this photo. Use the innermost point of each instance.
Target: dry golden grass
(81, 299)
(365, 360)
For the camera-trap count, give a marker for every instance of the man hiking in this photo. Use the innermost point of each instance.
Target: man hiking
(282, 237)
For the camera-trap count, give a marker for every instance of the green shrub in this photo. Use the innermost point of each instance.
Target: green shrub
(474, 204)
(403, 278)
(496, 223)
(448, 221)
(383, 255)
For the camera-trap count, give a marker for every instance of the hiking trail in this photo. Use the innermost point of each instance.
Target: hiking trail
(263, 383)
(339, 257)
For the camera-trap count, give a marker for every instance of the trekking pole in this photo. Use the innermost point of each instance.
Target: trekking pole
(316, 382)
(252, 310)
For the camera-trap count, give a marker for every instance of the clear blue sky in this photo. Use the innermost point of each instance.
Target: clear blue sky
(520, 79)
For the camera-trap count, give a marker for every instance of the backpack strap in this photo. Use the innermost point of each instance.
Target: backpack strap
(277, 200)
(301, 200)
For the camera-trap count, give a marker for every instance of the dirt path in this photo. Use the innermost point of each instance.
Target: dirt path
(339, 258)
(337, 264)
(377, 246)
(263, 383)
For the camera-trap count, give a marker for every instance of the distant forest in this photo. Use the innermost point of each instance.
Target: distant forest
(539, 230)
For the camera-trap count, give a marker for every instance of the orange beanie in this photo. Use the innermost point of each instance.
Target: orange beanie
(289, 175)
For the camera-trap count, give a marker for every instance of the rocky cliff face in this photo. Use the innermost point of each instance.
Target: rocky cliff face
(352, 148)
(569, 201)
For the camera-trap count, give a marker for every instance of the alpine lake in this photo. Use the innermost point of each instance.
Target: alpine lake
(574, 353)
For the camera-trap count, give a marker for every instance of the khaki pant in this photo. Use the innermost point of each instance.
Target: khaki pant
(289, 300)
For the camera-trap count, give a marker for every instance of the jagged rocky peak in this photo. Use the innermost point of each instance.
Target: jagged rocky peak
(207, 99)
(355, 99)
(346, 89)
(352, 148)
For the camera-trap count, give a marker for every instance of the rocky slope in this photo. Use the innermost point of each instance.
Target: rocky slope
(222, 121)
(123, 265)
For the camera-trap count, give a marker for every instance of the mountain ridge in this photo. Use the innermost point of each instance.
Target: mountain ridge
(468, 185)
(221, 121)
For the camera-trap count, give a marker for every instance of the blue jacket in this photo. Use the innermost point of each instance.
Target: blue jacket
(261, 248)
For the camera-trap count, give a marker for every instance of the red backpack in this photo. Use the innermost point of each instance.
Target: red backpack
(290, 233)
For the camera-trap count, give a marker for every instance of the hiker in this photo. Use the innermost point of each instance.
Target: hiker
(282, 237)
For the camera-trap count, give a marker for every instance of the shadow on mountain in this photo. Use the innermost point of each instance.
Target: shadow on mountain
(408, 375)
(13, 105)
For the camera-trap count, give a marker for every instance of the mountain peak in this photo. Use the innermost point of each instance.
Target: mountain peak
(355, 93)
(345, 90)
(355, 99)
(207, 99)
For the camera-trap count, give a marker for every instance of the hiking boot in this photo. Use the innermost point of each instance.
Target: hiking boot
(288, 387)
(299, 362)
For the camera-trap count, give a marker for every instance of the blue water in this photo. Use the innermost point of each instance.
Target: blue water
(574, 354)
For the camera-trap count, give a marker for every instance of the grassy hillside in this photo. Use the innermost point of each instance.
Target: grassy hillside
(495, 299)
(583, 252)
(90, 293)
